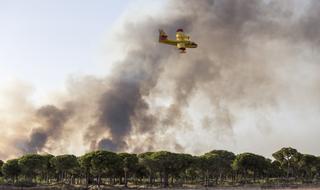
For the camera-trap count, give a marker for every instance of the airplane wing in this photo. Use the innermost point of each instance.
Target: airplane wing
(163, 38)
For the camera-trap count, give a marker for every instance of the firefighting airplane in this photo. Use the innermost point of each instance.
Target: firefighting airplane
(182, 40)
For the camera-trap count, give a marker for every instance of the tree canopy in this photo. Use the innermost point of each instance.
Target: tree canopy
(216, 167)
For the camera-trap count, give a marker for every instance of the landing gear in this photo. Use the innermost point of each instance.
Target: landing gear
(182, 50)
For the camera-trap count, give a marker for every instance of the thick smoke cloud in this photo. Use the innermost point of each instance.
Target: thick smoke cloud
(52, 121)
(249, 55)
(124, 99)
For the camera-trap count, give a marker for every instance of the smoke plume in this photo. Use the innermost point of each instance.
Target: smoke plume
(251, 58)
(52, 122)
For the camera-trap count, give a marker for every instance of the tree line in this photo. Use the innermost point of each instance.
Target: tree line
(162, 168)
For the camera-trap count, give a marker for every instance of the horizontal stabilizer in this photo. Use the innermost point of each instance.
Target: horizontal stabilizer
(162, 35)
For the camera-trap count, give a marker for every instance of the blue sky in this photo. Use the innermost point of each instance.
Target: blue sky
(42, 42)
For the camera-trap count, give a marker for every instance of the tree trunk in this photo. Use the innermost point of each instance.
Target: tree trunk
(150, 179)
(207, 178)
(60, 176)
(166, 180)
(125, 179)
(87, 180)
(99, 180)
(221, 178)
(288, 170)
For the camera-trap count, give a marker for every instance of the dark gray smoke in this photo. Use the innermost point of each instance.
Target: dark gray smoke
(52, 120)
(243, 45)
(123, 101)
(37, 141)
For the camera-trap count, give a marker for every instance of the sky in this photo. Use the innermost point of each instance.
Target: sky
(78, 76)
(44, 42)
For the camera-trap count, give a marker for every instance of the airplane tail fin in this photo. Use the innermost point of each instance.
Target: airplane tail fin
(162, 35)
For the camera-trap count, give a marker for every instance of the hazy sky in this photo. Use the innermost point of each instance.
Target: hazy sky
(42, 42)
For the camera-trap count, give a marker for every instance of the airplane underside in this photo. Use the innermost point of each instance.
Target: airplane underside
(182, 50)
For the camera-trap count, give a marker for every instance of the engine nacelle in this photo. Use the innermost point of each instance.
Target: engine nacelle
(180, 36)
